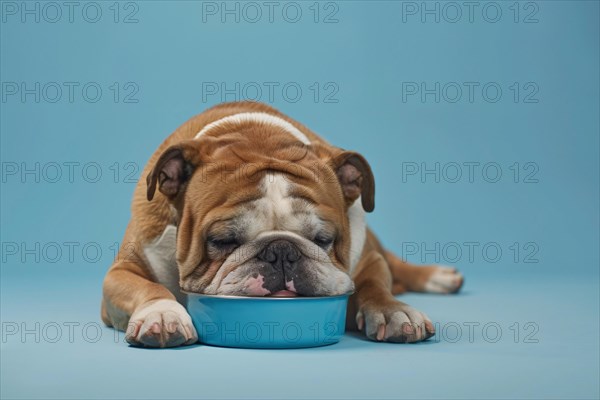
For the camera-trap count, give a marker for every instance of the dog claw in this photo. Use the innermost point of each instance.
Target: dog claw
(381, 332)
(360, 322)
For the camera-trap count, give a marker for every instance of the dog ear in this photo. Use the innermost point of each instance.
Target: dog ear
(173, 169)
(356, 178)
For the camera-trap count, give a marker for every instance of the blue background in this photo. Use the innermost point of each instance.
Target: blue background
(175, 49)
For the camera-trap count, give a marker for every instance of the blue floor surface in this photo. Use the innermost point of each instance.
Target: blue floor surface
(547, 348)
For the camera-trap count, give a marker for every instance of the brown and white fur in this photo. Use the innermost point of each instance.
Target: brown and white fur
(252, 203)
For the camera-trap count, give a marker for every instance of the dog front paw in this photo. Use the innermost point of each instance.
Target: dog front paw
(394, 322)
(161, 323)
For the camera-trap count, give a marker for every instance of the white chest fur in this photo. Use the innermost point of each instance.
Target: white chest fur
(162, 262)
(358, 232)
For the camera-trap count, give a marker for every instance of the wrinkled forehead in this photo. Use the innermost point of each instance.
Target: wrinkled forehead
(279, 204)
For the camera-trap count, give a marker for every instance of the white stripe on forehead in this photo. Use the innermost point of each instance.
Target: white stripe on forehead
(259, 117)
(278, 210)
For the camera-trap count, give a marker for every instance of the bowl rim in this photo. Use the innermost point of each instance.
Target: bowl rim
(266, 298)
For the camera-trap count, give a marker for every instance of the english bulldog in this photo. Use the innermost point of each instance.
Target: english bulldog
(243, 200)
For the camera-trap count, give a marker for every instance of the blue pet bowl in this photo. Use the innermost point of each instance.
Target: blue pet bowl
(268, 322)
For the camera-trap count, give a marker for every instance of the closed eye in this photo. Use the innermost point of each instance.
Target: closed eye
(221, 246)
(226, 242)
(323, 240)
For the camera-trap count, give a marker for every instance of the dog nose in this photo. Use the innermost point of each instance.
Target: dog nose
(279, 251)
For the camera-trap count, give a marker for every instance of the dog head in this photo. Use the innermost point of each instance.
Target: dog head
(260, 213)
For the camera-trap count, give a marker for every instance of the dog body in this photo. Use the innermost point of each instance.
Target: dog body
(253, 203)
